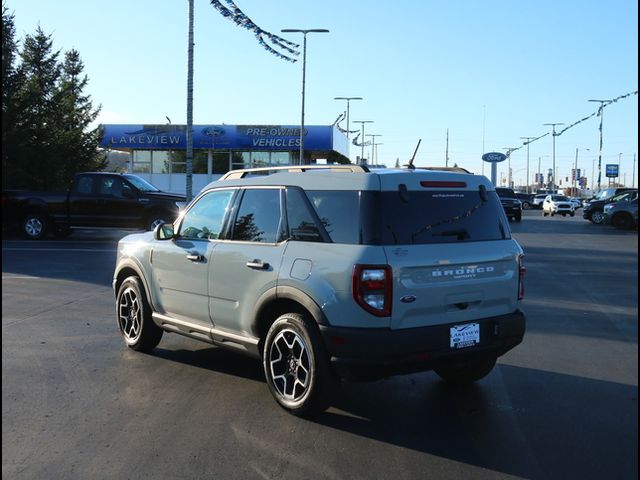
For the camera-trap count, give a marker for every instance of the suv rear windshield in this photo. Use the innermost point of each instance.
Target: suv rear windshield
(390, 218)
(506, 193)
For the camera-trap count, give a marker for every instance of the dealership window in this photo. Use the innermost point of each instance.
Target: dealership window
(279, 158)
(240, 160)
(141, 161)
(160, 161)
(220, 162)
(259, 159)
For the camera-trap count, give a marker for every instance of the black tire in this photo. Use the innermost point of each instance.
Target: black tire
(156, 219)
(296, 366)
(133, 314)
(597, 217)
(544, 213)
(552, 214)
(518, 218)
(526, 205)
(622, 221)
(35, 226)
(573, 214)
(464, 373)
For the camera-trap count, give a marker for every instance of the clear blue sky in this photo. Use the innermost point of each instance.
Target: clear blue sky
(490, 72)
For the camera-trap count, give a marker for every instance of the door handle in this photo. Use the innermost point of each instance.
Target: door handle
(194, 257)
(258, 265)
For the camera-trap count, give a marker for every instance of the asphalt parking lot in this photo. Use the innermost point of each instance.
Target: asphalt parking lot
(76, 403)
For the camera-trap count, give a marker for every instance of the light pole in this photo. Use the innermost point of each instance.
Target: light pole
(553, 171)
(362, 122)
(509, 150)
(527, 141)
(348, 99)
(376, 145)
(601, 113)
(633, 175)
(373, 143)
(304, 70)
(619, 169)
(575, 173)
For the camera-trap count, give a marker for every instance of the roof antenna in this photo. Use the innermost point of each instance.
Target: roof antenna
(410, 165)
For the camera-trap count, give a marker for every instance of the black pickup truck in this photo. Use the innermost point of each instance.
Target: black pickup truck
(95, 200)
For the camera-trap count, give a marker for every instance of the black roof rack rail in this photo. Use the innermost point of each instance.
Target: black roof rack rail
(236, 174)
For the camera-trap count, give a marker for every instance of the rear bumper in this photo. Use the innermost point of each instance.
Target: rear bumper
(367, 353)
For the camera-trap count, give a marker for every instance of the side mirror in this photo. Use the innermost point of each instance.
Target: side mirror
(164, 231)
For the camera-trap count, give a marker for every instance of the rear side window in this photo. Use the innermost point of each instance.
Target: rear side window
(302, 224)
(258, 218)
(441, 217)
(339, 212)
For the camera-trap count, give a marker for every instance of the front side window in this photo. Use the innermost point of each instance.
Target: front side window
(258, 217)
(204, 220)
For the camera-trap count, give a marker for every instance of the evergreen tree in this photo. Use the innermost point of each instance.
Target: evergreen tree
(10, 81)
(46, 115)
(34, 102)
(76, 142)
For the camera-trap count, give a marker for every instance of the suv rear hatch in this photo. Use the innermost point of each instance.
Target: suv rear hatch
(450, 249)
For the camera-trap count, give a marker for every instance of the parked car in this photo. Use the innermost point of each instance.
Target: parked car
(576, 202)
(557, 204)
(526, 199)
(538, 200)
(510, 202)
(622, 214)
(95, 199)
(343, 272)
(594, 209)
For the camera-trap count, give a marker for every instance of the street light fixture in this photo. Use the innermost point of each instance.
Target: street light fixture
(601, 113)
(304, 67)
(553, 180)
(362, 122)
(348, 99)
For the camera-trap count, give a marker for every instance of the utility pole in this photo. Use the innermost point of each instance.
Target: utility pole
(189, 159)
(633, 175)
(603, 103)
(619, 169)
(553, 172)
(304, 33)
(527, 141)
(446, 154)
(362, 122)
(373, 143)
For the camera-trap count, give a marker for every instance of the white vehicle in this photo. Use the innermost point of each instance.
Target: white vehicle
(576, 202)
(559, 204)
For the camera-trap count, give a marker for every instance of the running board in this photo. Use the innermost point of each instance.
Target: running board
(215, 336)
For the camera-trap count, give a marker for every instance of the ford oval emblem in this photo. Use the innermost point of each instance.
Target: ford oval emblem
(408, 299)
(494, 157)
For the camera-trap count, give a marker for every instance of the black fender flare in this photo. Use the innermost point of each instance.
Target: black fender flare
(286, 293)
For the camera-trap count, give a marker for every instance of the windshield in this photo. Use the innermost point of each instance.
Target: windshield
(603, 194)
(141, 184)
(559, 198)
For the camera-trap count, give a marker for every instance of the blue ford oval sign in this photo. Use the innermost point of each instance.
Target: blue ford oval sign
(494, 157)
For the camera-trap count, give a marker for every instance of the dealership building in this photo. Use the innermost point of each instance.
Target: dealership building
(158, 153)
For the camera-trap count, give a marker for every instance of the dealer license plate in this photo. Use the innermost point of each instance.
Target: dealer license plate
(462, 336)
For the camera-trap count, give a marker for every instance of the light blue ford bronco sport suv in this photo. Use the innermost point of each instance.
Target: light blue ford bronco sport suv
(330, 272)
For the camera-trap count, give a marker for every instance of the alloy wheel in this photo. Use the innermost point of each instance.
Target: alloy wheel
(291, 365)
(130, 315)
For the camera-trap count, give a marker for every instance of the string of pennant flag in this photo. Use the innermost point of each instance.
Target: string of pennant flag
(233, 13)
(594, 114)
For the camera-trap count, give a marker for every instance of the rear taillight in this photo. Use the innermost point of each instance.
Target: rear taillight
(521, 271)
(372, 288)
